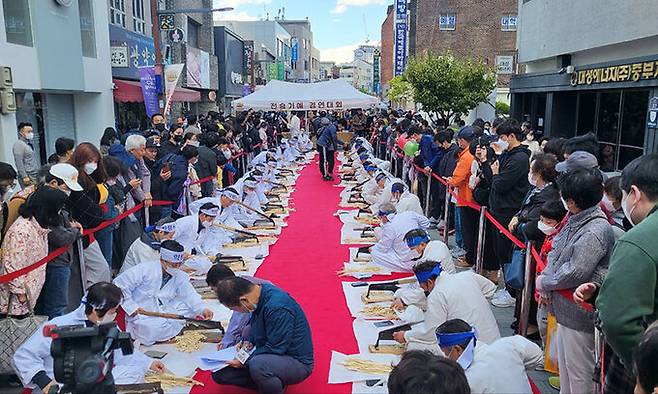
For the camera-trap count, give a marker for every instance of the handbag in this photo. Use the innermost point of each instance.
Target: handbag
(13, 332)
(514, 271)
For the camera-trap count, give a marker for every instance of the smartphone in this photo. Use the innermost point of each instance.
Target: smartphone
(166, 167)
(359, 284)
(384, 323)
(155, 354)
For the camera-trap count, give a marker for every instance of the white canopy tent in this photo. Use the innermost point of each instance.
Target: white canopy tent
(335, 94)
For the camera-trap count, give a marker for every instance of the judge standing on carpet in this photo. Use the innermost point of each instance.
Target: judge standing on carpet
(327, 145)
(280, 338)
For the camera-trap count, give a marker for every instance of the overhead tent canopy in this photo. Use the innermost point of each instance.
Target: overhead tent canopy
(335, 94)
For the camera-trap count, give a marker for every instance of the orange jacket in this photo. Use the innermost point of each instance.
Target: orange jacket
(461, 176)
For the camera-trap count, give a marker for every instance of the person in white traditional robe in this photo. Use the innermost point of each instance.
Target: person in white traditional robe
(250, 197)
(457, 296)
(373, 194)
(259, 158)
(391, 251)
(159, 286)
(147, 246)
(498, 367)
(294, 124)
(404, 200)
(33, 362)
(305, 143)
(200, 237)
(419, 241)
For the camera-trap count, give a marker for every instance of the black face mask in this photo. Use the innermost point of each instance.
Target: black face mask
(160, 127)
(178, 138)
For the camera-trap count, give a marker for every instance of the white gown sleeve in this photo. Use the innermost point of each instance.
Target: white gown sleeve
(127, 282)
(30, 356)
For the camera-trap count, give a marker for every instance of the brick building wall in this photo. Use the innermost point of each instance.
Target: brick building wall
(386, 61)
(478, 33)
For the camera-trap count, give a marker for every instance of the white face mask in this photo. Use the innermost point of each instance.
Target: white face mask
(531, 179)
(90, 168)
(628, 212)
(564, 202)
(608, 204)
(545, 228)
(503, 145)
(29, 135)
(206, 223)
(193, 143)
(109, 317)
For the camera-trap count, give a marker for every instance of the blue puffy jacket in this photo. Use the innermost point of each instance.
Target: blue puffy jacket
(172, 189)
(328, 137)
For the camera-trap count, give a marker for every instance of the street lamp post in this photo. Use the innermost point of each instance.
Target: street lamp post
(155, 22)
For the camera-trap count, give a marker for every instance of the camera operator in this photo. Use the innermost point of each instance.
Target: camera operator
(34, 364)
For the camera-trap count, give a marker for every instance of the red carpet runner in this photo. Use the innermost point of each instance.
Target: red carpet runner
(304, 262)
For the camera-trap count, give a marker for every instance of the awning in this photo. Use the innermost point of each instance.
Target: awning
(131, 91)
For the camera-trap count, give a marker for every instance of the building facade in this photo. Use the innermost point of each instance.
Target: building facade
(230, 50)
(272, 47)
(605, 82)
(387, 59)
(62, 78)
(358, 73)
(468, 29)
(328, 70)
(301, 49)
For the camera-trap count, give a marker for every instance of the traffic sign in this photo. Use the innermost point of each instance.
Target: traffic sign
(176, 35)
(167, 22)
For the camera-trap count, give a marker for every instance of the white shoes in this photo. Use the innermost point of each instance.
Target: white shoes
(503, 299)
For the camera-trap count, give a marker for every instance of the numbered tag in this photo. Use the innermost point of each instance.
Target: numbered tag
(243, 355)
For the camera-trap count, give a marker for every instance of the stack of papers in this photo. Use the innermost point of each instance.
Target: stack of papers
(216, 360)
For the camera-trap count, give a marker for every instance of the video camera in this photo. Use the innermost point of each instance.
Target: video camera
(83, 357)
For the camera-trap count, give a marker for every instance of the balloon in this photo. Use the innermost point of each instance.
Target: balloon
(410, 148)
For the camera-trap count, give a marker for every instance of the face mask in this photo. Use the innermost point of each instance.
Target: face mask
(608, 204)
(160, 127)
(29, 135)
(564, 202)
(193, 143)
(414, 254)
(108, 318)
(545, 228)
(178, 137)
(90, 168)
(171, 270)
(628, 212)
(503, 145)
(207, 223)
(531, 179)
(246, 306)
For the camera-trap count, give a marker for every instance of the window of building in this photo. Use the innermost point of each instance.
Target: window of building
(447, 21)
(118, 12)
(633, 123)
(508, 22)
(586, 113)
(192, 33)
(17, 22)
(87, 34)
(305, 65)
(139, 24)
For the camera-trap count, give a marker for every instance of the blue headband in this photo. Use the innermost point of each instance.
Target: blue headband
(397, 188)
(424, 276)
(370, 168)
(457, 338)
(417, 240)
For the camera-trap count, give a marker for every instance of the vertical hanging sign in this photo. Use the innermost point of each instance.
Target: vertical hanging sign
(400, 38)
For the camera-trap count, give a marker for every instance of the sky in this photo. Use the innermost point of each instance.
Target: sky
(339, 26)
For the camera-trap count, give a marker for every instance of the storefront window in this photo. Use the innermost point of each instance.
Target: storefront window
(17, 22)
(586, 113)
(634, 118)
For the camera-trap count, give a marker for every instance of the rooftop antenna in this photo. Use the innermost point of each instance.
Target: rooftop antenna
(365, 28)
(283, 13)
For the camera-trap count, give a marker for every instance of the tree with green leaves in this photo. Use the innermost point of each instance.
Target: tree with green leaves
(446, 85)
(400, 91)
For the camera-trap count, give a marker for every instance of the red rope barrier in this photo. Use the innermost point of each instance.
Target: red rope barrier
(88, 232)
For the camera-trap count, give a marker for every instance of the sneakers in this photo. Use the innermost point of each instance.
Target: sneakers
(502, 299)
(440, 224)
(434, 221)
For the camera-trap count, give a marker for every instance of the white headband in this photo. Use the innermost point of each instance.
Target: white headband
(171, 256)
(210, 212)
(167, 227)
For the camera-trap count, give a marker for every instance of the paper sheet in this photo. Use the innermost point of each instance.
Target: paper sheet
(340, 374)
(366, 333)
(350, 234)
(366, 270)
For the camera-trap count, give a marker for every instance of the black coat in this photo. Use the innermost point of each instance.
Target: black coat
(510, 186)
(207, 164)
(529, 214)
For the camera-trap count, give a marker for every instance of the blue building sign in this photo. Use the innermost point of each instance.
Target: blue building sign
(400, 47)
(401, 9)
(128, 52)
(294, 50)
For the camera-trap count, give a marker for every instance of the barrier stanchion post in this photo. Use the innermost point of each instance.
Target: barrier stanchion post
(526, 293)
(598, 361)
(188, 199)
(427, 193)
(83, 270)
(482, 226)
(393, 160)
(147, 216)
(446, 216)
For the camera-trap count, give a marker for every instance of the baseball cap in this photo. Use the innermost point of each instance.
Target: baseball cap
(152, 143)
(576, 161)
(466, 133)
(68, 174)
